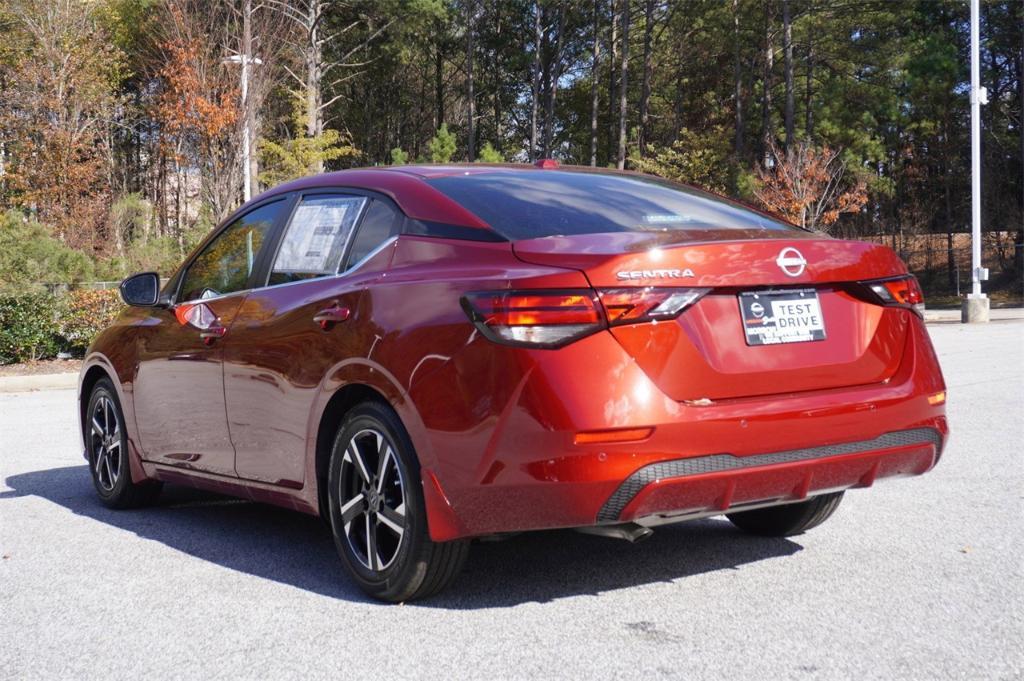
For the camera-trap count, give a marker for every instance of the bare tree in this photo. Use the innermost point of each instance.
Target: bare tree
(308, 17)
(809, 186)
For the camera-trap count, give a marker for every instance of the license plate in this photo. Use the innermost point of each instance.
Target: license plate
(773, 317)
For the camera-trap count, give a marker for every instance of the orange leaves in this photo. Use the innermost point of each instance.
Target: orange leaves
(807, 186)
(190, 102)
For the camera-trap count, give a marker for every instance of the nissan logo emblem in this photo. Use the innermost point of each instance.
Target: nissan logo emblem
(791, 261)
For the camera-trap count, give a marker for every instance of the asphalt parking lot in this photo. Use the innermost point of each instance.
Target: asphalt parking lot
(917, 578)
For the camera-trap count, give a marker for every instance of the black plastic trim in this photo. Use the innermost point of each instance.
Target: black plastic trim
(442, 230)
(699, 465)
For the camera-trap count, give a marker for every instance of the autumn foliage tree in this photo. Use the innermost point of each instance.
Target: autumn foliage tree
(197, 110)
(56, 108)
(809, 186)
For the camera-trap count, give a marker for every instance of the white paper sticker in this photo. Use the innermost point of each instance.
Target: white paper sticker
(316, 236)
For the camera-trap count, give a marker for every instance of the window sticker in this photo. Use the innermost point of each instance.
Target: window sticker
(317, 235)
(666, 219)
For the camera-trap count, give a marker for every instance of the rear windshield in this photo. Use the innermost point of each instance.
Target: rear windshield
(531, 204)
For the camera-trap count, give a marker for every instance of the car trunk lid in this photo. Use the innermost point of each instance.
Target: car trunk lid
(705, 354)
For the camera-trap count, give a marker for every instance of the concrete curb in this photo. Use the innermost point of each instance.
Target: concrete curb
(995, 314)
(20, 384)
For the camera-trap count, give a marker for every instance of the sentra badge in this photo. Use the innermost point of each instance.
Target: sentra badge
(655, 274)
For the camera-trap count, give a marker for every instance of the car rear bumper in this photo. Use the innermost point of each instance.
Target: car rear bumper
(521, 467)
(696, 486)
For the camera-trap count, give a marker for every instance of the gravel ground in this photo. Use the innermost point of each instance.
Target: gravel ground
(917, 578)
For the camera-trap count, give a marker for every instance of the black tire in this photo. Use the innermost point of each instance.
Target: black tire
(787, 520)
(107, 445)
(374, 486)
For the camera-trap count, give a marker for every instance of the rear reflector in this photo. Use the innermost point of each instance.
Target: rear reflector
(544, 319)
(594, 437)
(632, 305)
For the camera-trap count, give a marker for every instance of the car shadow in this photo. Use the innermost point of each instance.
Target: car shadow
(297, 549)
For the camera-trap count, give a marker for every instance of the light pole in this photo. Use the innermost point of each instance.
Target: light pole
(975, 307)
(245, 60)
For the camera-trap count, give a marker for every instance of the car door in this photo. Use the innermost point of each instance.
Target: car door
(179, 388)
(289, 334)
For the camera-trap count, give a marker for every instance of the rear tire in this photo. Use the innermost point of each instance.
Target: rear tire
(107, 443)
(377, 513)
(787, 520)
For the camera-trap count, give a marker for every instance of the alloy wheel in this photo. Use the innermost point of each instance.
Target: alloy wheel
(105, 439)
(373, 499)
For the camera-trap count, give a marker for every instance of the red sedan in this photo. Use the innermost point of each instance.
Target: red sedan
(424, 355)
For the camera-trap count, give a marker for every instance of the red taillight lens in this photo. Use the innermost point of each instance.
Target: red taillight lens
(632, 305)
(544, 319)
(902, 292)
(550, 319)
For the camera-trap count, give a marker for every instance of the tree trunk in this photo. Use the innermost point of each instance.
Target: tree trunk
(613, 51)
(314, 120)
(554, 72)
(438, 78)
(594, 95)
(536, 81)
(767, 137)
(809, 90)
(737, 77)
(645, 88)
(623, 86)
(787, 38)
(470, 20)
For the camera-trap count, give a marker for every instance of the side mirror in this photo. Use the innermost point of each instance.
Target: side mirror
(142, 290)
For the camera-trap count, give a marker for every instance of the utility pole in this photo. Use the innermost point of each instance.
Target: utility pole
(975, 308)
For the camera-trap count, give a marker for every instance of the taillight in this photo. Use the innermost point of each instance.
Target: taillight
(542, 318)
(553, 318)
(632, 305)
(901, 292)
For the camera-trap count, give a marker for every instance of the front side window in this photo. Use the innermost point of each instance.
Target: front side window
(315, 240)
(225, 264)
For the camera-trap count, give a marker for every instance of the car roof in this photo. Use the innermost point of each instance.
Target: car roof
(407, 186)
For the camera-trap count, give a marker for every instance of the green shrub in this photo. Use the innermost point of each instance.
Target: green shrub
(28, 327)
(31, 256)
(84, 313)
(399, 157)
(490, 155)
(442, 146)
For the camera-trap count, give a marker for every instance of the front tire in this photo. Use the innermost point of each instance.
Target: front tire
(107, 443)
(787, 520)
(377, 512)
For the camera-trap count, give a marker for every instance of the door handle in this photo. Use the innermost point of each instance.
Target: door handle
(213, 333)
(330, 316)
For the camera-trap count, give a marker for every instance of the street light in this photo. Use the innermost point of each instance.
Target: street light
(975, 308)
(245, 60)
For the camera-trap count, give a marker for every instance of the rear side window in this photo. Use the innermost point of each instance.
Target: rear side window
(315, 241)
(531, 204)
(380, 223)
